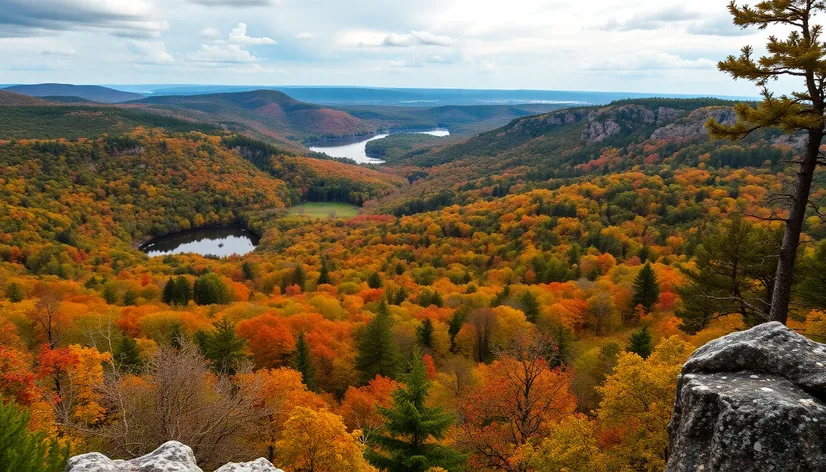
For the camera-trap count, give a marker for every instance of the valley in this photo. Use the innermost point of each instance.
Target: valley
(586, 245)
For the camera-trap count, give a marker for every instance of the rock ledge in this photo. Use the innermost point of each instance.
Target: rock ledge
(171, 456)
(752, 400)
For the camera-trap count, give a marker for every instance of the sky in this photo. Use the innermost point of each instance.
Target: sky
(651, 46)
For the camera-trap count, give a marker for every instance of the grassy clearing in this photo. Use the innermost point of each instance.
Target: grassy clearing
(325, 210)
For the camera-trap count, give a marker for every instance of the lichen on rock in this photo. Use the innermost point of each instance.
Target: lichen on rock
(171, 456)
(752, 400)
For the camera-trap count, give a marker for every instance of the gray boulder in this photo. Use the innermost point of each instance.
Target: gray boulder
(258, 465)
(171, 456)
(752, 400)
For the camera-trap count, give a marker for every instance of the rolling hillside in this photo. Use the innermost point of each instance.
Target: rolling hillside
(549, 149)
(268, 113)
(15, 99)
(94, 93)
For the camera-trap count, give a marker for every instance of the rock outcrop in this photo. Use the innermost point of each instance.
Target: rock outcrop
(693, 126)
(171, 456)
(609, 121)
(753, 400)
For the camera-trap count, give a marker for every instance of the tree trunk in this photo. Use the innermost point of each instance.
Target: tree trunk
(794, 225)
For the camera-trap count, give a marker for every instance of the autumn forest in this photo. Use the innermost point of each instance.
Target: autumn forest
(519, 296)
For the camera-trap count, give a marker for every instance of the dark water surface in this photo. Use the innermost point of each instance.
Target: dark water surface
(218, 241)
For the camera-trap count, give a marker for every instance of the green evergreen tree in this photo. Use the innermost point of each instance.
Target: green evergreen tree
(109, 294)
(641, 343)
(531, 306)
(222, 347)
(324, 274)
(299, 277)
(169, 291)
(24, 450)
(501, 297)
(303, 363)
(130, 297)
(374, 281)
(210, 290)
(800, 54)
(377, 351)
(182, 291)
(400, 296)
(249, 270)
(411, 429)
(127, 356)
(14, 293)
(456, 322)
(646, 288)
(424, 333)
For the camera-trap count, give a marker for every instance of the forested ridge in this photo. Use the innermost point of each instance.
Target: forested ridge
(519, 300)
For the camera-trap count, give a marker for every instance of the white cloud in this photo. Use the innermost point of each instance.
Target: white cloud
(210, 33)
(221, 54)
(238, 35)
(237, 3)
(58, 52)
(650, 60)
(304, 35)
(150, 53)
(414, 38)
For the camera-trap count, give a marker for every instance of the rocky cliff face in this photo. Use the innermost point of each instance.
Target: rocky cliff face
(752, 400)
(693, 126)
(171, 456)
(610, 121)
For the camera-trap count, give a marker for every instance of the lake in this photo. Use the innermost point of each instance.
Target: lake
(354, 148)
(218, 241)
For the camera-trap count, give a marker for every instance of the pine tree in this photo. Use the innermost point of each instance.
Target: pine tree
(400, 296)
(455, 325)
(641, 343)
(210, 289)
(182, 291)
(130, 297)
(109, 294)
(646, 288)
(299, 277)
(412, 428)
(24, 450)
(501, 297)
(374, 281)
(377, 351)
(222, 347)
(168, 295)
(14, 293)
(802, 54)
(303, 363)
(424, 333)
(531, 306)
(127, 356)
(324, 274)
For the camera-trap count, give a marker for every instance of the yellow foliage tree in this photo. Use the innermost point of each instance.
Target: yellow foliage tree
(318, 441)
(637, 404)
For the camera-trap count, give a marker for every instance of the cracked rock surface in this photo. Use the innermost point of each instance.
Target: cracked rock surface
(752, 400)
(171, 456)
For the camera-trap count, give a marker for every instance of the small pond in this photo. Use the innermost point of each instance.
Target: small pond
(218, 241)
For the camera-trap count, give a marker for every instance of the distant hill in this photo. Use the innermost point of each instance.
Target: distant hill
(94, 93)
(266, 112)
(67, 99)
(49, 121)
(16, 100)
